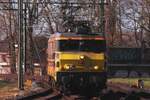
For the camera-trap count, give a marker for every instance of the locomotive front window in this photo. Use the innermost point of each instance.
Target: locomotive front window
(82, 45)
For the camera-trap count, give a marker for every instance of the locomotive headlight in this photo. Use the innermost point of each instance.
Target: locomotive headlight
(96, 67)
(82, 57)
(67, 66)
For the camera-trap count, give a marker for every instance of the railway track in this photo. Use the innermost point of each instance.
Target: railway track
(115, 91)
(50, 94)
(35, 95)
(128, 93)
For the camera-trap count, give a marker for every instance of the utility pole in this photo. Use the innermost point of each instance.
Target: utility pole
(21, 62)
(11, 41)
(102, 29)
(102, 17)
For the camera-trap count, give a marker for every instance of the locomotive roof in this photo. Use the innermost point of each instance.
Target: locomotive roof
(76, 35)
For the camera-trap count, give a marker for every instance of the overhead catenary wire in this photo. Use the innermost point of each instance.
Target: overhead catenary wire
(54, 2)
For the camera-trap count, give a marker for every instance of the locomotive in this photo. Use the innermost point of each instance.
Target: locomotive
(77, 61)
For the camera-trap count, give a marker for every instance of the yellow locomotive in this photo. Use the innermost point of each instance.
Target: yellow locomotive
(77, 61)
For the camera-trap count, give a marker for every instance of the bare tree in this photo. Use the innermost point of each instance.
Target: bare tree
(111, 20)
(9, 29)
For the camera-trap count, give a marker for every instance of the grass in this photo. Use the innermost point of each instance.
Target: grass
(130, 81)
(7, 86)
(3, 83)
(7, 89)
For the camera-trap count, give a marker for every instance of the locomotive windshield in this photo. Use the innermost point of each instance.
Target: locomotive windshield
(82, 45)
